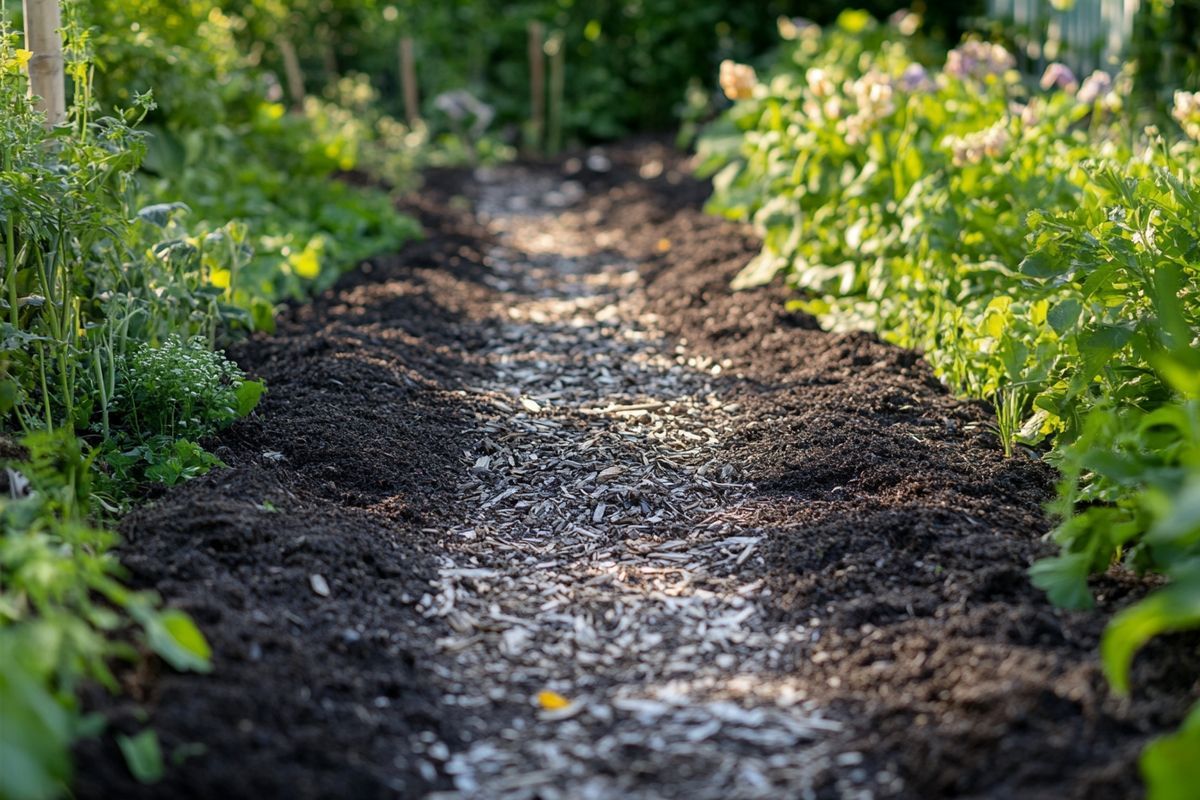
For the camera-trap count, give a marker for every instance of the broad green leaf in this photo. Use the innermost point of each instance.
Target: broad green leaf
(176, 639)
(762, 269)
(1064, 316)
(143, 755)
(1064, 579)
(1099, 344)
(1040, 265)
(1115, 466)
(35, 733)
(1181, 525)
(1174, 607)
(1181, 374)
(262, 314)
(23, 776)
(160, 214)
(10, 392)
(1038, 312)
(1170, 765)
(248, 396)
(1173, 329)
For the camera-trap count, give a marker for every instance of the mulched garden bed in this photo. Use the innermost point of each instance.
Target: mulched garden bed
(896, 533)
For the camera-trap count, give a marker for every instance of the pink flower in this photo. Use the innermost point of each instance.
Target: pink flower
(905, 21)
(1030, 114)
(1096, 85)
(1060, 76)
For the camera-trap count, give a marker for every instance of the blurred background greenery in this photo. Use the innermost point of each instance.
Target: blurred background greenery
(629, 62)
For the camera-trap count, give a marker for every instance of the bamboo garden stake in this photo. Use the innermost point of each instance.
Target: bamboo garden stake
(537, 84)
(47, 80)
(291, 69)
(408, 80)
(556, 49)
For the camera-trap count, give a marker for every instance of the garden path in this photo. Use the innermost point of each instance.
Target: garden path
(593, 575)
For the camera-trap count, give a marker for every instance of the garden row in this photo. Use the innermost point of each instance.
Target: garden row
(177, 205)
(1036, 243)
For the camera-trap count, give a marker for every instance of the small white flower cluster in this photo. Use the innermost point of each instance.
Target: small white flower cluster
(974, 147)
(871, 98)
(978, 60)
(819, 82)
(179, 388)
(824, 102)
(1030, 114)
(1059, 76)
(737, 80)
(905, 21)
(1186, 112)
(872, 94)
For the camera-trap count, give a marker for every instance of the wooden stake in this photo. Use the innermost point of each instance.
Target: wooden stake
(47, 77)
(328, 54)
(537, 83)
(557, 50)
(291, 69)
(408, 80)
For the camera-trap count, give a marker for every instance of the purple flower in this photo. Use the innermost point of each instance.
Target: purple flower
(915, 79)
(978, 60)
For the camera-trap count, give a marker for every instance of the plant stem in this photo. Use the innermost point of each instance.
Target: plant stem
(10, 254)
(45, 387)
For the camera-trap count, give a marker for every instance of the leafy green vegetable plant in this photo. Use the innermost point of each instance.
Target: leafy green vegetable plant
(1033, 244)
(113, 297)
(64, 615)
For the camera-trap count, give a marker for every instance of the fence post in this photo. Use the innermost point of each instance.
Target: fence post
(537, 84)
(47, 78)
(408, 80)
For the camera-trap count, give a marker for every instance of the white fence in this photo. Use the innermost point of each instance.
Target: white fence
(1089, 35)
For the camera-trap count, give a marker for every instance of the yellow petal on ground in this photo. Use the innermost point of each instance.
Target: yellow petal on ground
(552, 701)
(664, 245)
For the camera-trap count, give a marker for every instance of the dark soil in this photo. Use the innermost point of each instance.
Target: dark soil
(897, 533)
(344, 471)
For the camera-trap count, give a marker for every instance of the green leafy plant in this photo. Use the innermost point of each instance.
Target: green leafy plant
(64, 615)
(113, 297)
(181, 389)
(1036, 246)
